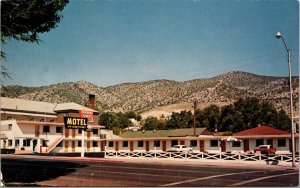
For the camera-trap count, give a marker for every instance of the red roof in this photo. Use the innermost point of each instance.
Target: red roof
(262, 130)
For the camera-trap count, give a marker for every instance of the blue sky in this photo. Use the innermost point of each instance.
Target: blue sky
(113, 42)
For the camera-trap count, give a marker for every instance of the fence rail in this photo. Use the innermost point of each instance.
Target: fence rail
(204, 156)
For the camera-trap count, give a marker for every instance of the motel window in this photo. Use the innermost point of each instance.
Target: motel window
(110, 144)
(174, 142)
(79, 131)
(259, 142)
(95, 131)
(193, 143)
(102, 136)
(45, 143)
(46, 129)
(140, 144)
(125, 144)
(79, 143)
(9, 127)
(17, 142)
(95, 144)
(236, 144)
(59, 129)
(214, 143)
(26, 142)
(281, 143)
(9, 143)
(156, 143)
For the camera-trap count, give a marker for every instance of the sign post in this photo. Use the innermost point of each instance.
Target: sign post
(82, 143)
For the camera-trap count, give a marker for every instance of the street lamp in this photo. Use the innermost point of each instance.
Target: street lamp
(278, 35)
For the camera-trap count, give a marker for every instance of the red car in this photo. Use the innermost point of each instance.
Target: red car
(265, 149)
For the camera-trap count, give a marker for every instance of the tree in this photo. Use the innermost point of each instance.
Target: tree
(25, 19)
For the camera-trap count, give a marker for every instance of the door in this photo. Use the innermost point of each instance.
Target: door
(270, 142)
(37, 131)
(34, 143)
(182, 142)
(88, 145)
(246, 145)
(223, 146)
(202, 146)
(164, 145)
(67, 133)
(131, 145)
(117, 145)
(102, 145)
(66, 145)
(147, 145)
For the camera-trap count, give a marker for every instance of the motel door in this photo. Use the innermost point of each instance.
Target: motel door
(246, 145)
(201, 145)
(270, 142)
(131, 145)
(147, 145)
(164, 145)
(223, 146)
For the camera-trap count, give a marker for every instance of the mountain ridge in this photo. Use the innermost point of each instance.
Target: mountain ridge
(148, 95)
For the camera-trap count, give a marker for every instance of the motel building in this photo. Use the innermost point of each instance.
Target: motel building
(31, 126)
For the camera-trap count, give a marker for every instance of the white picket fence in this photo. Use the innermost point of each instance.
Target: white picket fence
(204, 156)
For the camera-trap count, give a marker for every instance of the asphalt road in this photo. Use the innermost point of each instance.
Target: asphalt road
(55, 171)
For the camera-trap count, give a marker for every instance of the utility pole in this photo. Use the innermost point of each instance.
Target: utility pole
(195, 106)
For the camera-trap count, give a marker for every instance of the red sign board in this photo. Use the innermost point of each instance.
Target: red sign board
(86, 114)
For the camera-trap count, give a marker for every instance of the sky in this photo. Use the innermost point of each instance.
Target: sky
(109, 42)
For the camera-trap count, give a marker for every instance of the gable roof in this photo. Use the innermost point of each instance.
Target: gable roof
(165, 133)
(262, 130)
(71, 106)
(14, 104)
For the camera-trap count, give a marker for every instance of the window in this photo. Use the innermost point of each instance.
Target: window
(156, 143)
(17, 142)
(259, 142)
(26, 142)
(9, 143)
(281, 143)
(125, 144)
(236, 144)
(110, 144)
(174, 142)
(9, 127)
(95, 131)
(79, 131)
(45, 143)
(95, 144)
(59, 129)
(46, 129)
(193, 143)
(214, 143)
(102, 136)
(140, 144)
(79, 143)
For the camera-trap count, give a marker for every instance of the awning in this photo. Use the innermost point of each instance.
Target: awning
(231, 139)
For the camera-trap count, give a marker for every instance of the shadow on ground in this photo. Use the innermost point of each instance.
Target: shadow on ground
(17, 171)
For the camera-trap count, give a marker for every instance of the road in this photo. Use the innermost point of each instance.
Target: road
(62, 171)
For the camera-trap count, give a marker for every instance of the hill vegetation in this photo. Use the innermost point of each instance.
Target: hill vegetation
(146, 96)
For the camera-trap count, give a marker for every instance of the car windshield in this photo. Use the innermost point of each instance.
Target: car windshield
(176, 146)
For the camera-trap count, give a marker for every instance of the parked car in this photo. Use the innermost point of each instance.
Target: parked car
(180, 148)
(265, 149)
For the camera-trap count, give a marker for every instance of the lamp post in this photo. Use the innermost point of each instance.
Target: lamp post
(278, 35)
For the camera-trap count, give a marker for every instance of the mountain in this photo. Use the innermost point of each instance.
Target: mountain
(145, 96)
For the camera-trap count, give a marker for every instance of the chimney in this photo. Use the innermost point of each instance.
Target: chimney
(92, 101)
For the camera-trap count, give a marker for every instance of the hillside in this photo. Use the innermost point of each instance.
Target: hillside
(160, 94)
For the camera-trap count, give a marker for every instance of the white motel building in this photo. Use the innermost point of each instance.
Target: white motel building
(31, 126)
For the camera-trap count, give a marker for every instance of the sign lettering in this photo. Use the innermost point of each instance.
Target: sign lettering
(75, 123)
